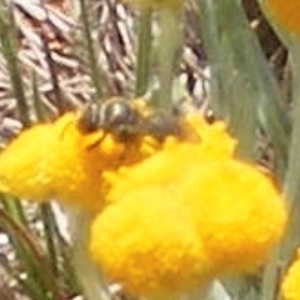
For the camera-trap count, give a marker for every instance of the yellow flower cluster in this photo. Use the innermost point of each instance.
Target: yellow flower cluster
(238, 213)
(177, 213)
(233, 212)
(149, 244)
(290, 287)
(59, 161)
(285, 13)
(203, 142)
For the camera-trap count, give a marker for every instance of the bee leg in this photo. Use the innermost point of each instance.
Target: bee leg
(97, 142)
(64, 130)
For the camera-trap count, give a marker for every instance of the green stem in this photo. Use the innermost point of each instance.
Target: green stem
(169, 42)
(14, 208)
(270, 274)
(50, 234)
(30, 255)
(37, 101)
(243, 90)
(291, 184)
(12, 223)
(89, 277)
(292, 181)
(94, 66)
(143, 52)
(60, 103)
(10, 52)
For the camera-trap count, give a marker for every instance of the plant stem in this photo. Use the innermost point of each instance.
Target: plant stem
(87, 31)
(143, 52)
(89, 277)
(169, 42)
(10, 52)
(30, 254)
(50, 234)
(243, 91)
(291, 239)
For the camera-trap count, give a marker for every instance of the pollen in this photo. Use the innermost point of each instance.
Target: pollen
(203, 142)
(147, 243)
(25, 157)
(57, 160)
(240, 215)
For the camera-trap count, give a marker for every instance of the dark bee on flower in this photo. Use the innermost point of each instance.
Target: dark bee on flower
(159, 125)
(114, 116)
(125, 122)
(89, 119)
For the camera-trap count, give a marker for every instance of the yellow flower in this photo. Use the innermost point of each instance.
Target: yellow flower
(290, 287)
(76, 169)
(204, 142)
(147, 243)
(24, 158)
(285, 13)
(215, 140)
(59, 161)
(194, 190)
(240, 215)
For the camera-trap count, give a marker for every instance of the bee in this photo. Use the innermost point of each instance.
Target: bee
(125, 122)
(159, 125)
(114, 116)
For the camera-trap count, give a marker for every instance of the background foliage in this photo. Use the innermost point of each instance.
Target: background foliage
(58, 55)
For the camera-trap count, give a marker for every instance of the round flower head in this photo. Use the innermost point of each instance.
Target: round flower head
(80, 158)
(25, 157)
(147, 243)
(290, 287)
(58, 160)
(61, 161)
(240, 215)
(285, 13)
(203, 143)
(215, 140)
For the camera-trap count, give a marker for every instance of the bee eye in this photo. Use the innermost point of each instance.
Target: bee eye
(89, 119)
(117, 113)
